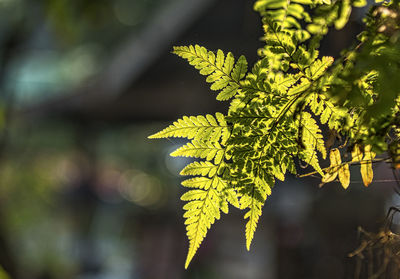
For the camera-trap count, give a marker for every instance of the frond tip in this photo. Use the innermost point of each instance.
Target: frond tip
(253, 199)
(220, 69)
(204, 207)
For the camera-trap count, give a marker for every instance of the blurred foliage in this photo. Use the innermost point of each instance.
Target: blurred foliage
(3, 274)
(44, 173)
(50, 47)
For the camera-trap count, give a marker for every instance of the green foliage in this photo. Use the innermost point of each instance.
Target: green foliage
(280, 108)
(221, 71)
(3, 274)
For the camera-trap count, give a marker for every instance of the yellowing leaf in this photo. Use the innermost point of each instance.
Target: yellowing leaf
(337, 169)
(344, 176)
(356, 153)
(335, 158)
(366, 172)
(342, 170)
(366, 166)
(332, 172)
(328, 177)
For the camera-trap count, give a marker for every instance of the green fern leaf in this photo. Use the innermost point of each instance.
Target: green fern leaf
(228, 92)
(283, 42)
(198, 149)
(344, 14)
(297, 11)
(303, 58)
(309, 156)
(253, 199)
(229, 63)
(282, 83)
(272, 118)
(306, 2)
(201, 212)
(262, 5)
(329, 113)
(312, 137)
(220, 59)
(299, 88)
(228, 194)
(231, 196)
(197, 182)
(202, 168)
(240, 69)
(254, 213)
(197, 128)
(337, 169)
(204, 206)
(194, 195)
(318, 68)
(221, 71)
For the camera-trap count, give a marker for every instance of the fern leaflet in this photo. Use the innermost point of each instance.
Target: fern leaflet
(221, 71)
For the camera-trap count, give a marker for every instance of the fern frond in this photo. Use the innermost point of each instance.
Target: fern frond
(329, 113)
(272, 117)
(312, 141)
(204, 206)
(254, 213)
(208, 128)
(311, 136)
(310, 157)
(240, 69)
(203, 168)
(202, 210)
(253, 199)
(198, 149)
(318, 67)
(281, 83)
(279, 41)
(303, 58)
(302, 86)
(288, 14)
(221, 71)
(197, 182)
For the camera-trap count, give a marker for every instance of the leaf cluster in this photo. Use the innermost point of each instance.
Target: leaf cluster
(281, 106)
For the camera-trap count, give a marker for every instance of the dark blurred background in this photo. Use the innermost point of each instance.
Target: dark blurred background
(83, 192)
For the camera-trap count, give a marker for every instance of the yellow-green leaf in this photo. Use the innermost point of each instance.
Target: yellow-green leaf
(359, 3)
(335, 158)
(366, 172)
(342, 170)
(332, 172)
(344, 14)
(366, 166)
(319, 67)
(356, 153)
(329, 176)
(344, 176)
